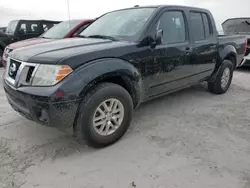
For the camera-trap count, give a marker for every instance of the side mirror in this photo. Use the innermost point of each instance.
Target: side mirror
(157, 39)
(159, 36)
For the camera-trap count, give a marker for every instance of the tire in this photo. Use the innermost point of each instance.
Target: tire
(84, 128)
(219, 86)
(1, 56)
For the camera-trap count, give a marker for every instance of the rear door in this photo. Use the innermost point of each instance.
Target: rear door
(205, 44)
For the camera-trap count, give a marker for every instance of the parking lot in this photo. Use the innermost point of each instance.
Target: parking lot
(187, 139)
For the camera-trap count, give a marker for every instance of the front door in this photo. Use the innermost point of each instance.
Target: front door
(171, 64)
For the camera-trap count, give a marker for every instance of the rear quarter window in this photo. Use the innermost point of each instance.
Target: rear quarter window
(207, 25)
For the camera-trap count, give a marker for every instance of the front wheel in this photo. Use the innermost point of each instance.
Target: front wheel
(105, 115)
(223, 79)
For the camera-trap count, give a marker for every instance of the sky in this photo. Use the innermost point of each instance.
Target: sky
(58, 9)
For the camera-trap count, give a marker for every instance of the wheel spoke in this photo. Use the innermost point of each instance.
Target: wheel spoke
(102, 127)
(100, 123)
(111, 125)
(117, 110)
(106, 129)
(112, 102)
(114, 105)
(117, 116)
(116, 123)
(100, 111)
(105, 107)
(99, 118)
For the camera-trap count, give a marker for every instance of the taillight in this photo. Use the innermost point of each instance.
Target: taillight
(245, 47)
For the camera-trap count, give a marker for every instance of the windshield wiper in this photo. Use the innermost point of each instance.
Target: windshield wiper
(103, 37)
(44, 37)
(81, 36)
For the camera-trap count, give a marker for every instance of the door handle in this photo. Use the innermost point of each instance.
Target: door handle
(212, 47)
(188, 50)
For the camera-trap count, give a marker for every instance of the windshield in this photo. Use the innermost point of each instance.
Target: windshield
(61, 29)
(123, 24)
(11, 27)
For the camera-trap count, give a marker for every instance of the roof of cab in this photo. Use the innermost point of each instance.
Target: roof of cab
(37, 21)
(165, 6)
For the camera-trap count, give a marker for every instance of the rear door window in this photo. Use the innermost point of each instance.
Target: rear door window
(197, 26)
(207, 25)
(201, 26)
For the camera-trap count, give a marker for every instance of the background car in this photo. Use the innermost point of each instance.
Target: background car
(239, 26)
(65, 29)
(18, 30)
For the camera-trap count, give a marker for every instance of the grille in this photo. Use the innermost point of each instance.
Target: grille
(13, 68)
(20, 73)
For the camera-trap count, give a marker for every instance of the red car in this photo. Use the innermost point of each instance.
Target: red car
(62, 30)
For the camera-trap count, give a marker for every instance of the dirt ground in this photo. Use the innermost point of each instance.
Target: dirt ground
(188, 139)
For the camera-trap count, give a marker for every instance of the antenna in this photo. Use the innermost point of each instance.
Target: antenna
(68, 12)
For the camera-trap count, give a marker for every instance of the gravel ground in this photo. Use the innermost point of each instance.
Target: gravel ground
(188, 139)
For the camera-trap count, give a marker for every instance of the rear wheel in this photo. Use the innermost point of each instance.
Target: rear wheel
(223, 79)
(105, 115)
(1, 56)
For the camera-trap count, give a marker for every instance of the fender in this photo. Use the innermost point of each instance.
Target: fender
(229, 50)
(103, 69)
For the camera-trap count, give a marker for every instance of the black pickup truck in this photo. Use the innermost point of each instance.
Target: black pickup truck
(126, 57)
(23, 29)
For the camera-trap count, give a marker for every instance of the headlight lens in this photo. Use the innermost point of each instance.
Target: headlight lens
(48, 75)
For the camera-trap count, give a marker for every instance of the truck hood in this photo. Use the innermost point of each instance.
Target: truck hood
(57, 52)
(237, 26)
(28, 42)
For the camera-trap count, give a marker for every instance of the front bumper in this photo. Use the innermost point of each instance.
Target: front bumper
(41, 109)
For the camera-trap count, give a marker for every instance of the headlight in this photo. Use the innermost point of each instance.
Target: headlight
(48, 75)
